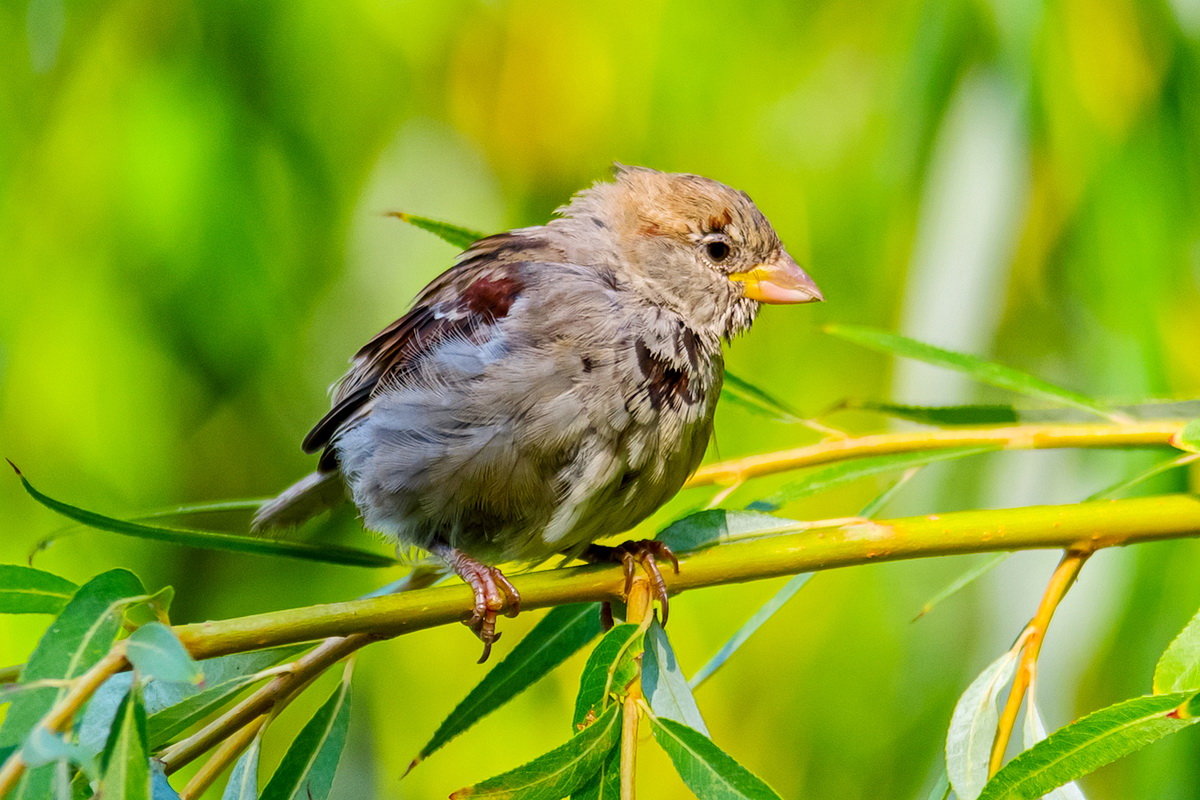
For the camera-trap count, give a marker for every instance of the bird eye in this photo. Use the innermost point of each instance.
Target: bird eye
(717, 251)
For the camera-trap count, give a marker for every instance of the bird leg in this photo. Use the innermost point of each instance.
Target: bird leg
(493, 594)
(647, 553)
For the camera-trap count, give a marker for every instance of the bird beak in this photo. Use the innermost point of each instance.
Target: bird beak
(778, 281)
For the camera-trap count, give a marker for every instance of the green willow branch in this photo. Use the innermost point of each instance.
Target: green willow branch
(1004, 437)
(1086, 526)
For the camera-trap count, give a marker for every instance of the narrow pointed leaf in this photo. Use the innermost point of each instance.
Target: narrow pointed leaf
(308, 551)
(462, 238)
(156, 653)
(969, 576)
(977, 368)
(750, 626)
(609, 669)
(973, 727)
(708, 771)
(25, 590)
(718, 524)
(1124, 484)
(826, 478)
(1088, 744)
(746, 394)
(1034, 731)
(76, 640)
(1178, 668)
(991, 414)
(558, 773)
(306, 771)
(174, 707)
(557, 636)
(44, 747)
(243, 782)
(160, 787)
(663, 683)
(125, 765)
(48, 782)
(605, 784)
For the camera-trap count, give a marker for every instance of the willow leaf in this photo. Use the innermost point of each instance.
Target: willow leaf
(460, 237)
(308, 551)
(981, 370)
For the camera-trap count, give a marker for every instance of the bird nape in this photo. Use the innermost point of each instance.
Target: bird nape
(555, 386)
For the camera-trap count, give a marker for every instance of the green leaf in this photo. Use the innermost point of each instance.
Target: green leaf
(972, 574)
(556, 637)
(609, 669)
(306, 771)
(1189, 438)
(1034, 731)
(825, 478)
(125, 765)
(663, 683)
(243, 783)
(983, 371)
(25, 590)
(746, 394)
(1178, 668)
(558, 773)
(47, 781)
(749, 627)
(174, 720)
(717, 524)
(991, 414)
(174, 707)
(1157, 469)
(156, 653)
(708, 771)
(160, 787)
(605, 784)
(308, 551)
(462, 238)
(43, 747)
(973, 727)
(76, 640)
(1088, 744)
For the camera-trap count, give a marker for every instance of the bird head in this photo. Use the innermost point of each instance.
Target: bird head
(694, 244)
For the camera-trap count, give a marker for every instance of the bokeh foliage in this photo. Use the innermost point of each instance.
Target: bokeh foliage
(193, 239)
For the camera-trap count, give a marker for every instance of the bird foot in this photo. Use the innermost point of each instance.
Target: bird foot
(493, 594)
(644, 552)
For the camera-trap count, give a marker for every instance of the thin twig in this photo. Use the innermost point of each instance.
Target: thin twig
(59, 717)
(1005, 437)
(225, 754)
(261, 701)
(639, 606)
(1086, 525)
(1033, 636)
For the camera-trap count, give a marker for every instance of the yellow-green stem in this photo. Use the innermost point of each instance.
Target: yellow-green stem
(1085, 525)
(1032, 637)
(639, 608)
(1005, 437)
(60, 716)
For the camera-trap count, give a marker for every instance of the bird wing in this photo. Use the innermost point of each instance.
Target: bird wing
(461, 302)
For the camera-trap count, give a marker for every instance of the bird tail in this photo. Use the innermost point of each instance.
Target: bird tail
(303, 500)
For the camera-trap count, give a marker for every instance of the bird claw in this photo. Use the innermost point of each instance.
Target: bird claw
(494, 594)
(644, 552)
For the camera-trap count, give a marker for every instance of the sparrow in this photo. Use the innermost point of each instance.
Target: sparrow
(554, 387)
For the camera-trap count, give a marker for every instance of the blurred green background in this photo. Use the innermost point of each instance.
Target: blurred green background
(193, 241)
